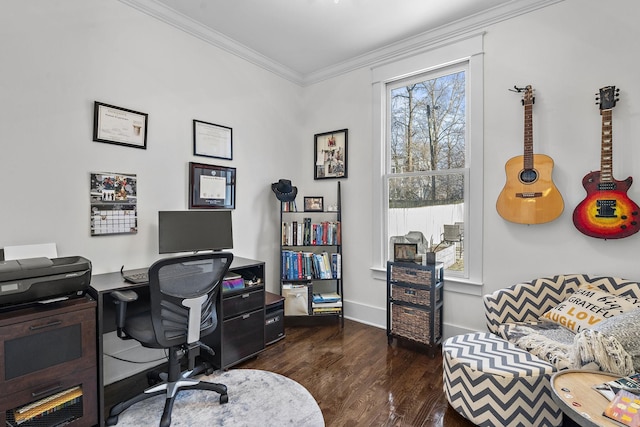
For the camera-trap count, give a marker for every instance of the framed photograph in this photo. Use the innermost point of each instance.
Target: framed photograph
(211, 187)
(405, 252)
(313, 204)
(211, 140)
(330, 151)
(120, 126)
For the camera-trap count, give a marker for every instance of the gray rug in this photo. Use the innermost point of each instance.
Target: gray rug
(256, 398)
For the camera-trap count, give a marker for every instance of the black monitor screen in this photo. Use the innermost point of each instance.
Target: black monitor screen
(191, 231)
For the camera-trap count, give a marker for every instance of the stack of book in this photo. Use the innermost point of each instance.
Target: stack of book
(327, 303)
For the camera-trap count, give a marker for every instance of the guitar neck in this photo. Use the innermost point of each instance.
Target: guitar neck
(606, 151)
(528, 136)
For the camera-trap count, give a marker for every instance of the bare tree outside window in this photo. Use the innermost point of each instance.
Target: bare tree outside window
(427, 128)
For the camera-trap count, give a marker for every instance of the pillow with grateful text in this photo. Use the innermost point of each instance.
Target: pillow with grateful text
(587, 306)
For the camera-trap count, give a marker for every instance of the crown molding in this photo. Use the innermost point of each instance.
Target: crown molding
(407, 47)
(169, 16)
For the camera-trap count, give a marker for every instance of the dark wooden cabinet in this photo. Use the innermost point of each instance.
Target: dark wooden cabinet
(414, 302)
(48, 361)
(241, 333)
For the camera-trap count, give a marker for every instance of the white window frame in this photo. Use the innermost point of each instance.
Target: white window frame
(465, 50)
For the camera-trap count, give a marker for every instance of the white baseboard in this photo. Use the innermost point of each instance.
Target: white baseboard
(376, 316)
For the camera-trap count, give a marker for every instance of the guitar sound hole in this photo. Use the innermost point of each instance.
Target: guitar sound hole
(527, 176)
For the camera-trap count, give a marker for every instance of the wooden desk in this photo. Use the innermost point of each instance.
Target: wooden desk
(242, 320)
(573, 393)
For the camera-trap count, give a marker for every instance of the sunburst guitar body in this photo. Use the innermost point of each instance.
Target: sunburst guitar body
(529, 195)
(607, 212)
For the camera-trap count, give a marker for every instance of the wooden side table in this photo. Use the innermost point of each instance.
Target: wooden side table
(573, 393)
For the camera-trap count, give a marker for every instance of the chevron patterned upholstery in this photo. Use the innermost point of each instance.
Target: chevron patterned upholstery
(525, 302)
(493, 383)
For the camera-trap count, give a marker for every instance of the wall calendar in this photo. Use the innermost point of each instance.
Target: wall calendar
(113, 204)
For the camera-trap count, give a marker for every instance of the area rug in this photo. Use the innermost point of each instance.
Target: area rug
(256, 398)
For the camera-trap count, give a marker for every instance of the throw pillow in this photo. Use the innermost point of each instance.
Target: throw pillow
(587, 306)
(613, 345)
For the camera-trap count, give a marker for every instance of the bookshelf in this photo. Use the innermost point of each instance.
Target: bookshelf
(311, 261)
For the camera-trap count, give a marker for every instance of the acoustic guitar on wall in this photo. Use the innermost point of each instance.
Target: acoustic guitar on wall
(607, 212)
(529, 196)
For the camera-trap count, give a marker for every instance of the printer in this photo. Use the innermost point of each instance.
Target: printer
(38, 280)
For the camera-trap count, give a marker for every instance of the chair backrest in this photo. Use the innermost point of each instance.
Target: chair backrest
(451, 232)
(184, 294)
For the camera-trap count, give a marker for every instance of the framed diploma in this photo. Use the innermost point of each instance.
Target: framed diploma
(211, 187)
(211, 140)
(116, 125)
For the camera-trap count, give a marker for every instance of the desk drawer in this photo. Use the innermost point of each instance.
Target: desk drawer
(242, 303)
(243, 337)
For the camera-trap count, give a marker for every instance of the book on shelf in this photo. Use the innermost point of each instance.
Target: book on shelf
(630, 383)
(326, 297)
(327, 310)
(298, 265)
(299, 233)
(624, 408)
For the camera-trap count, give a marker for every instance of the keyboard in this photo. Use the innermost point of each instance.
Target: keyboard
(135, 276)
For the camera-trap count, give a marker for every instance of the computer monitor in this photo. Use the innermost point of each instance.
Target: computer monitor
(194, 230)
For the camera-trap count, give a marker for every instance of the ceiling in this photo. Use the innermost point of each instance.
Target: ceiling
(308, 40)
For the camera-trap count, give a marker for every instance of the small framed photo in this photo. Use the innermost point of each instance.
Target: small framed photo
(211, 140)
(404, 252)
(120, 126)
(211, 187)
(313, 204)
(330, 150)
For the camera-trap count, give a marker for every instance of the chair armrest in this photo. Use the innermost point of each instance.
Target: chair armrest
(121, 298)
(523, 302)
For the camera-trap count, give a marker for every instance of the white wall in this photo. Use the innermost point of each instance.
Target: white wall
(567, 51)
(58, 57)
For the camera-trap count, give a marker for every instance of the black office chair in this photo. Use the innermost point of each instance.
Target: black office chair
(184, 293)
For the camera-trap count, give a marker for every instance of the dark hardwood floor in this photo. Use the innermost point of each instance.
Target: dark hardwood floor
(358, 379)
(354, 375)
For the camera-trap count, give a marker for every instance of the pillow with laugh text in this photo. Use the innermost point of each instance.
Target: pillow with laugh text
(587, 306)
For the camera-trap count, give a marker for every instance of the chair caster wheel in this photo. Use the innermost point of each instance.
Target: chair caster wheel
(224, 398)
(209, 371)
(111, 421)
(153, 378)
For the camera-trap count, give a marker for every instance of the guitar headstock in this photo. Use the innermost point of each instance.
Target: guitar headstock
(608, 97)
(527, 97)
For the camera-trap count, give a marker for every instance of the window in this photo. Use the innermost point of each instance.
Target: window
(428, 115)
(426, 163)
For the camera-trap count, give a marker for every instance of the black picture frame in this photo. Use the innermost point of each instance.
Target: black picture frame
(119, 126)
(211, 186)
(405, 252)
(314, 204)
(330, 154)
(212, 140)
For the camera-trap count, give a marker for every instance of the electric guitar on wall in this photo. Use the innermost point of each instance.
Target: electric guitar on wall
(529, 196)
(607, 212)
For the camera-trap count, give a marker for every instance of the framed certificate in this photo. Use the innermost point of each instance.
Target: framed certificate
(211, 140)
(211, 187)
(120, 126)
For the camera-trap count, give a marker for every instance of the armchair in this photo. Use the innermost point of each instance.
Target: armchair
(184, 297)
